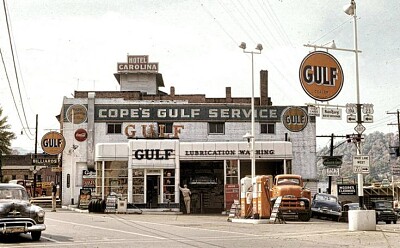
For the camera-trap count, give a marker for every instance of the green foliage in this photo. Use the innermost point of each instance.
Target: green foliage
(376, 145)
(5, 135)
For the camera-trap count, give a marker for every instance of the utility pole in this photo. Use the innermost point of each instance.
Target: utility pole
(398, 126)
(332, 136)
(34, 166)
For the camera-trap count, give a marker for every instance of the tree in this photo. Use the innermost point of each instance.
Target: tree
(5, 136)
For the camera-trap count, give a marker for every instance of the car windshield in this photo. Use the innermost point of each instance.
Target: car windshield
(17, 194)
(288, 181)
(383, 204)
(326, 198)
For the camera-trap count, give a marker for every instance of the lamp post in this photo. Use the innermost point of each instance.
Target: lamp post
(251, 136)
(350, 9)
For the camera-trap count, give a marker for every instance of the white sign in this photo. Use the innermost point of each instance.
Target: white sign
(361, 160)
(332, 171)
(359, 128)
(361, 169)
(368, 118)
(368, 108)
(351, 118)
(313, 111)
(331, 113)
(351, 108)
(361, 164)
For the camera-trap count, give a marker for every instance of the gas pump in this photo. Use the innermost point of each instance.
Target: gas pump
(262, 197)
(246, 196)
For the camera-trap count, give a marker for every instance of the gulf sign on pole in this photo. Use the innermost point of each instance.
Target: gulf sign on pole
(321, 76)
(53, 143)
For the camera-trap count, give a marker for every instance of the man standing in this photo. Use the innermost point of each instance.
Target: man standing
(186, 197)
(53, 196)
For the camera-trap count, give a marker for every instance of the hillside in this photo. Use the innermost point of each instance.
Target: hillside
(376, 145)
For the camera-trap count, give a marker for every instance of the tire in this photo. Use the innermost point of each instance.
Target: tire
(36, 235)
(304, 217)
(395, 221)
(388, 222)
(90, 206)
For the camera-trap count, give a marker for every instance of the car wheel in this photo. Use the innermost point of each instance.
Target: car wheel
(36, 235)
(395, 221)
(388, 222)
(304, 217)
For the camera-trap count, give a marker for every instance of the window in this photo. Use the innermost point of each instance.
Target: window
(268, 128)
(114, 128)
(216, 128)
(165, 127)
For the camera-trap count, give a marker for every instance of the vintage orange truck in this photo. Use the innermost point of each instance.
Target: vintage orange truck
(296, 199)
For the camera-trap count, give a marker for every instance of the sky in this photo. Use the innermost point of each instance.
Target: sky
(65, 46)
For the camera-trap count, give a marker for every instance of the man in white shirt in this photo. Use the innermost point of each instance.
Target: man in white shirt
(186, 197)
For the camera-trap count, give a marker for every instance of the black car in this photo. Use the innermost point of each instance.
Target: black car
(17, 214)
(326, 205)
(384, 211)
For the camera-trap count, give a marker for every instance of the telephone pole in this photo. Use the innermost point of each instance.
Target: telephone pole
(398, 127)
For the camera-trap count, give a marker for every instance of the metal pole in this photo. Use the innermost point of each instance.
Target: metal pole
(360, 177)
(253, 154)
(34, 166)
(330, 177)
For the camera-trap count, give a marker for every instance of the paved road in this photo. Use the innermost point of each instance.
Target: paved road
(67, 228)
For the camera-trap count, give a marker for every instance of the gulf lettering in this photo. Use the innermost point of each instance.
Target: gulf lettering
(150, 154)
(320, 75)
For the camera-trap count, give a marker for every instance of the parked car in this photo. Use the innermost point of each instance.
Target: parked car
(384, 211)
(17, 214)
(326, 205)
(347, 207)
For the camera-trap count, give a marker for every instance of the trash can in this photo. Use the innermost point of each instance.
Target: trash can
(122, 206)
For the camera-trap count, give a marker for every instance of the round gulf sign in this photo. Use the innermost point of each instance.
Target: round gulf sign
(321, 76)
(295, 119)
(77, 113)
(53, 143)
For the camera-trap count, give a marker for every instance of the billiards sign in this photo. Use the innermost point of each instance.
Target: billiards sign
(321, 76)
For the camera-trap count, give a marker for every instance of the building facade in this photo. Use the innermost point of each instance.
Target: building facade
(142, 143)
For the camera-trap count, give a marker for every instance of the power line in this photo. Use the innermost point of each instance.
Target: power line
(15, 70)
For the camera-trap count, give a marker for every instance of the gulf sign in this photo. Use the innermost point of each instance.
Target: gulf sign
(321, 76)
(53, 143)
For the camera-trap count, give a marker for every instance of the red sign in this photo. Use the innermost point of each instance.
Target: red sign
(81, 135)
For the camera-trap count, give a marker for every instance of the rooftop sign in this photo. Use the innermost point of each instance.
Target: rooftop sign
(137, 63)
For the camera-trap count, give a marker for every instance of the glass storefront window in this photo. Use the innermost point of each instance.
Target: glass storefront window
(232, 172)
(138, 186)
(115, 178)
(169, 186)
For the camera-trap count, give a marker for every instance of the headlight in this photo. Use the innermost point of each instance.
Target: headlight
(40, 213)
(302, 203)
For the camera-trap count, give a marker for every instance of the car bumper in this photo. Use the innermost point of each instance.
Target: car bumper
(22, 225)
(321, 212)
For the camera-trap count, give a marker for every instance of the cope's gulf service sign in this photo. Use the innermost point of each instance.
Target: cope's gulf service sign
(321, 76)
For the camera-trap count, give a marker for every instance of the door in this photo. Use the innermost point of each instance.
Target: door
(153, 191)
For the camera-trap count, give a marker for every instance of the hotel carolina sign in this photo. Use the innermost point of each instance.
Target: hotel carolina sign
(137, 63)
(186, 112)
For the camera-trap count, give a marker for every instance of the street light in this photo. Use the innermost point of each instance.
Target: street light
(350, 9)
(251, 136)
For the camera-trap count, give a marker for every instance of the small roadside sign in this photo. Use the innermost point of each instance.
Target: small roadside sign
(359, 129)
(313, 111)
(331, 113)
(361, 169)
(351, 118)
(368, 118)
(332, 171)
(332, 161)
(361, 164)
(396, 170)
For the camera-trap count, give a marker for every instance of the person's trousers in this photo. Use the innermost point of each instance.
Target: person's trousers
(53, 201)
(187, 204)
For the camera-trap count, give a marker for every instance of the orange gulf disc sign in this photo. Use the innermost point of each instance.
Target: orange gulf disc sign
(295, 119)
(53, 143)
(321, 76)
